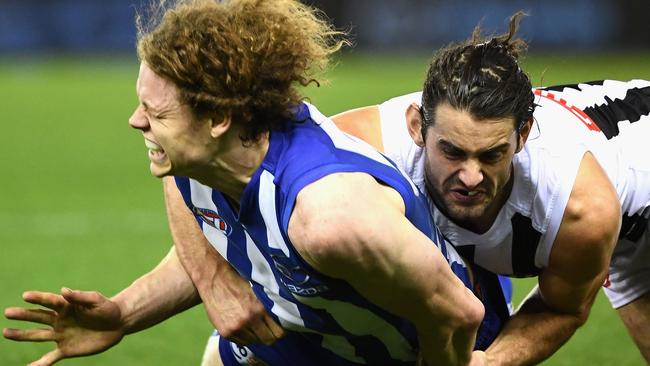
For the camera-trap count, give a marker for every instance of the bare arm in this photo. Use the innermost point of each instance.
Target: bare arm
(165, 291)
(364, 123)
(578, 265)
(85, 322)
(350, 227)
(577, 269)
(228, 299)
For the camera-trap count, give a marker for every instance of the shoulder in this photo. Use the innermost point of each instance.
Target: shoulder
(591, 221)
(363, 123)
(348, 199)
(593, 203)
(338, 215)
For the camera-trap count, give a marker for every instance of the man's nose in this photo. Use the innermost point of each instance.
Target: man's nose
(138, 120)
(471, 174)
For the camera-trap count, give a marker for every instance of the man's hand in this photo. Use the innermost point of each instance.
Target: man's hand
(235, 311)
(81, 323)
(479, 358)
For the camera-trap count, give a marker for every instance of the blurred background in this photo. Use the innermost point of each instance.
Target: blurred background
(78, 207)
(576, 25)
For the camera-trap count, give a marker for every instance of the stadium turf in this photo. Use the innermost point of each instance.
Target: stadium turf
(78, 207)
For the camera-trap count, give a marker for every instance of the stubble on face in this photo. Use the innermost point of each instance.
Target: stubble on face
(477, 217)
(464, 180)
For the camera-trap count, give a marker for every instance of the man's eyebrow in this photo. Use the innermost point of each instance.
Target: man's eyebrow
(503, 146)
(449, 145)
(149, 108)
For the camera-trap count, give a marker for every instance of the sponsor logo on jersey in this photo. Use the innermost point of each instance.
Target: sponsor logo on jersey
(213, 219)
(577, 112)
(295, 279)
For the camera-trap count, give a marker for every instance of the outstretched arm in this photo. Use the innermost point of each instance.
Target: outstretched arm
(85, 323)
(577, 268)
(229, 300)
(349, 226)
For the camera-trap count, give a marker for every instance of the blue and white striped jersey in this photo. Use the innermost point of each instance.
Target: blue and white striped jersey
(323, 311)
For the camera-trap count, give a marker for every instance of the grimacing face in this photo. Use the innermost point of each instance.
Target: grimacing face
(177, 142)
(468, 164)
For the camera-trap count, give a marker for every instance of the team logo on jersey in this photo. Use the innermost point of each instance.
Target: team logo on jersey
(295, 278)
(213, 219)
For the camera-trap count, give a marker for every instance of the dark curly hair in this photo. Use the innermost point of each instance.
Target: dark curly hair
(481, 76)
(242, 59)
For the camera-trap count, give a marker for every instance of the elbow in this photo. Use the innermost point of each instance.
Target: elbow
(473, 313)
(450, 340)
(467, 328)
(581, 319)
(468, 315)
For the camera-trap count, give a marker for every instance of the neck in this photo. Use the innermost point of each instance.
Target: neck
(233, 165)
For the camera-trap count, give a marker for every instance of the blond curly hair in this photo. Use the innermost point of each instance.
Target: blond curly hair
(242, 59)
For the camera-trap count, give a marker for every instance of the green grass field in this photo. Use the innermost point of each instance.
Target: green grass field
(78, 207)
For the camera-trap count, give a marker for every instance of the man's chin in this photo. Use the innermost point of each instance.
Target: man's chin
(465, 214)
(160, 171)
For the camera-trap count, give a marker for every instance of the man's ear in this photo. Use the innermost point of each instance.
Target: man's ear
(414, 123)
(219, 125)
(524, 132)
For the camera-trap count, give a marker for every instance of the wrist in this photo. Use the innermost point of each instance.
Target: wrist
(126, 310)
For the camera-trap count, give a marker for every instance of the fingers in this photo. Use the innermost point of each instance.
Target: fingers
(29, 335)
(49, 300)
(268, 331)
(42, 316)
(48, 359)
(265, 331)
(275, 328)
(244, 338)
(83, 298)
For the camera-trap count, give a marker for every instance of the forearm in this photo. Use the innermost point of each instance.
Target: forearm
(447, 315)
(533, 333)
(383, 250)
(156, 296)
(201, 262)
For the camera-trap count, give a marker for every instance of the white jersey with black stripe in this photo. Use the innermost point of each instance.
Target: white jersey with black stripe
(612, 120)
(601, 117)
